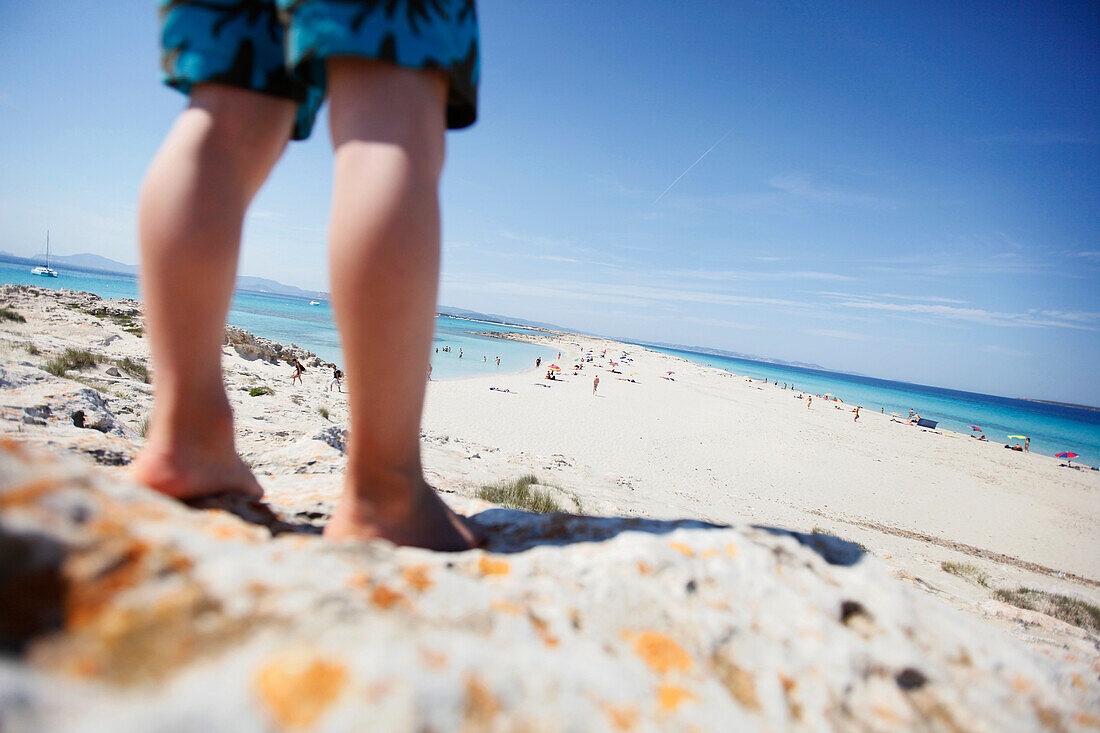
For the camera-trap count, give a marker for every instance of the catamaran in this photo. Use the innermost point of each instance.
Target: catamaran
(45, 271)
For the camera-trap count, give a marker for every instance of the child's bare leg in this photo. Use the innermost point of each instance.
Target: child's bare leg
(192, 207)
(387, 128)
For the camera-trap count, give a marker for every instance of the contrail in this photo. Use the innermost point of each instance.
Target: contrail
(712, 147)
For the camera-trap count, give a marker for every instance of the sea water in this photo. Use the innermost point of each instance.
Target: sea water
(1052, 428)
(290, 320)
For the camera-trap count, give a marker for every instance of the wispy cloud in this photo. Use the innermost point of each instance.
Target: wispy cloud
(1058, 319)
(892, 296)
(833, 334)
(803, 187)
(1002, 351)
(1043, 137)
(757, 276)
(1089, 255)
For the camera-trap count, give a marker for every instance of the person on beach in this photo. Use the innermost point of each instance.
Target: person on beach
(256, 73)
(595, 384)
(337, 375)
(1027, 445)
(298, 369)
(538, 362)
(856, 419)
(809, 401)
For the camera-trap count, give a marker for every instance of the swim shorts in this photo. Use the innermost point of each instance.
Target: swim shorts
(279, 47)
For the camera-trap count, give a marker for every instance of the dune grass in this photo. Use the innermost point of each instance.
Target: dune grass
(323, 412)
(7, 314)
(134, 367)
(966, 571)
(263, 389)
(518, 494)
(71, 358)
(1071, 610)
(826, 533)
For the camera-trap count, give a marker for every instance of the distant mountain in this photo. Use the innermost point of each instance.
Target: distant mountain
(446, 310)
(263, 285)
(96, 263)
(735, 355)
(90, 262)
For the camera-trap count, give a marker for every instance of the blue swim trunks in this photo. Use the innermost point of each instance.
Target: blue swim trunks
(279, 47)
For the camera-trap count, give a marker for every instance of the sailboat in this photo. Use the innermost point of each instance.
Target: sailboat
(45, 271)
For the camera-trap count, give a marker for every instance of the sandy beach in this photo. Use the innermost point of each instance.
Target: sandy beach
(697, 444)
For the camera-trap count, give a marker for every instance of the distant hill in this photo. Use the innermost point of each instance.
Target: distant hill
(735, 355)
(97, 263)
(446, 310)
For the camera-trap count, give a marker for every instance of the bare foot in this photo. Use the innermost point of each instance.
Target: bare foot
(188, 474)
(425, 521)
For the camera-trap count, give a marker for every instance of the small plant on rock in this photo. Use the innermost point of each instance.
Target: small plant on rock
(520, 495)
(263, 389)
(7, 314)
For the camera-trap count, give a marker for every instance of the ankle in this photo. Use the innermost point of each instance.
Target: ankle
(394, 493)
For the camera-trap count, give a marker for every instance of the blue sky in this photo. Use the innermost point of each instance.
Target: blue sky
(909, 191)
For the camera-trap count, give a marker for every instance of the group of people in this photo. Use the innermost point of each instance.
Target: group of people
(336, 381)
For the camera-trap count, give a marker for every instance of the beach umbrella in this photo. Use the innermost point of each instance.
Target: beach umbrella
(975, 427)
(555, 368)
(1068, 455)
(670, 372)
(1021, 437)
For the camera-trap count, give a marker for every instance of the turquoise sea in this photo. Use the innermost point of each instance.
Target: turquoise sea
(1052, 428)
(294, 321)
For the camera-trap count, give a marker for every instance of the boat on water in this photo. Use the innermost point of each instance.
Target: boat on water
(46, 271)
(315, 302)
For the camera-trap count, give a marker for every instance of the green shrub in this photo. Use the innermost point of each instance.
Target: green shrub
(967, 571)
(519, 495)
(323, 412)
(71, 358)
(1071, 610)
(7, 314)
(261, 390)
(826, 533)
(134, 367)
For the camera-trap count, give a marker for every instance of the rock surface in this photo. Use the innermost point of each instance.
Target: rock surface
(128, 611)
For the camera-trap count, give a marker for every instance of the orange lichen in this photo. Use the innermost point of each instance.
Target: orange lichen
(481, 707)
(622, 717)
(385, 598)
(505, 606)
(731, 550)
(433, 660)
(488, 566)
(359, 580)
(682, 549)
(661, 653)
(27, 493)
(1085, 719)
(417, 576)
(670, 697)
(91, 591)
(297, 688)
(643, 568)
(708, 554)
